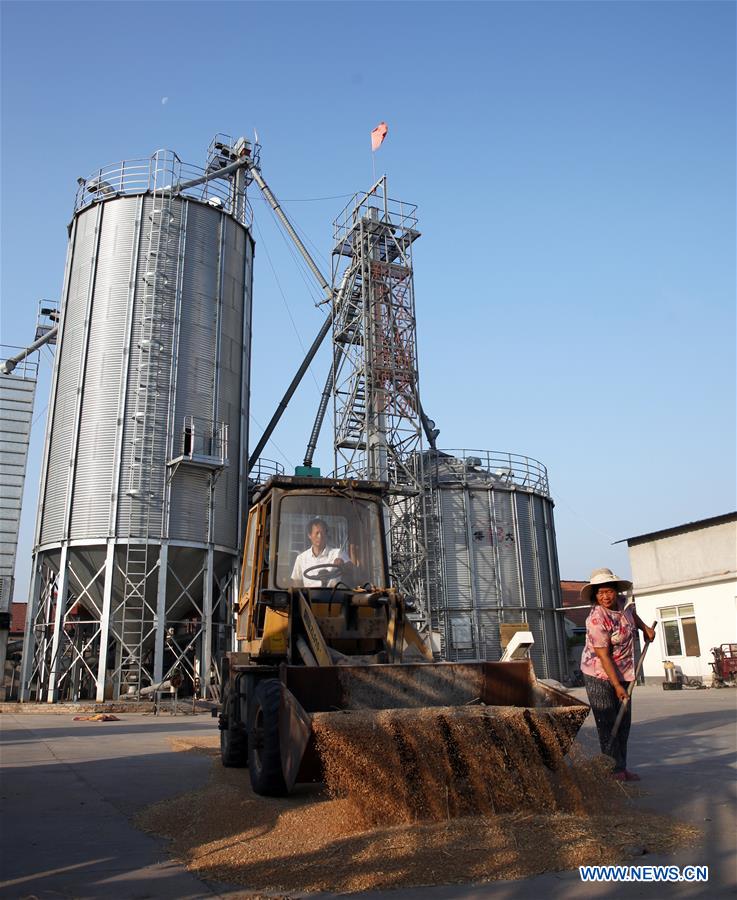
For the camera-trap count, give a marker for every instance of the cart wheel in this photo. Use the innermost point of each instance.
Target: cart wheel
(264, 756)
(233, 739)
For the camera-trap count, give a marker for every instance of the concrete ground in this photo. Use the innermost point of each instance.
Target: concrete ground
(69, 790)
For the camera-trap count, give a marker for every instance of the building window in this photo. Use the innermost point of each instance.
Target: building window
(679, 631)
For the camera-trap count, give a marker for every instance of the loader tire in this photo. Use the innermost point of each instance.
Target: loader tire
(264, 756)
(233, 739)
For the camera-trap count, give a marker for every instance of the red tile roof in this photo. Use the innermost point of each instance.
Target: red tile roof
(571, 594)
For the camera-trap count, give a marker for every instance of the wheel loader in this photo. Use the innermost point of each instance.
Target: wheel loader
(323, 635)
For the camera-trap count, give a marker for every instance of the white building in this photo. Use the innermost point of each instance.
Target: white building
(685, 578)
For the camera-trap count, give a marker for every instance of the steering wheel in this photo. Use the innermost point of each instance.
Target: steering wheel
(323, 572)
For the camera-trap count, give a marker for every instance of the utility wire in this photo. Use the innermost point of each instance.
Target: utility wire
(302, 267)
(315, 199)
(559, 497)
(315, 249)
(305, 272)
(284, 299)
(37, 417)
(272, 441)
(50, 362)
(305, 238)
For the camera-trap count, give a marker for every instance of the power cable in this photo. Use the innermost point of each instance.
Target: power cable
(304, 271)
(302, 267)
(312, 246)
(272, 441)
(559, 497)
(305, 238)
(284, 299)
(315, 199)
(50, 363)
(36, 418)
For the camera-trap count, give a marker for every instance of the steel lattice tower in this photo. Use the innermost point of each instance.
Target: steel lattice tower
(378, 425)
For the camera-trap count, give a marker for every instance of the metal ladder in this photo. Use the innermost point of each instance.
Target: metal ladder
(147, 470)
(351, 416)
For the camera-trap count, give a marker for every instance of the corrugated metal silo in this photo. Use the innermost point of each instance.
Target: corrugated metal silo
(143, 486)
(492, 556)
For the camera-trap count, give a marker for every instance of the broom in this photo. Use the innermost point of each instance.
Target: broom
(625, 702)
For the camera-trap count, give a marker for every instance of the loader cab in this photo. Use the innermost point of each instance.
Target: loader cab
(278, 534)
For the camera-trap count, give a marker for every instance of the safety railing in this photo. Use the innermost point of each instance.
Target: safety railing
(466, 466)
(374, 205)
(492, 466)
(163, 169)
(204, 438)
(264, 469)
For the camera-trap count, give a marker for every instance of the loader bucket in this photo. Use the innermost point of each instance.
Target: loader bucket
(435, 739)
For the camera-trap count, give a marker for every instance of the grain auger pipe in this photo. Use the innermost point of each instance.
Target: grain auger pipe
(7, 367)
(245, 161)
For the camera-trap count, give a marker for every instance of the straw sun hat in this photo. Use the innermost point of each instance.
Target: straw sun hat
(600, 577)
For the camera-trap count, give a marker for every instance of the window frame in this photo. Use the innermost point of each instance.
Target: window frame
(680, 614)
(373, 506)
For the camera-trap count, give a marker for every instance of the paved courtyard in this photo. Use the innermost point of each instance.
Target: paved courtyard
(70, 789)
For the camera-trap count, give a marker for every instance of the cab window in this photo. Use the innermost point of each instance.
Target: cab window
(353, 529)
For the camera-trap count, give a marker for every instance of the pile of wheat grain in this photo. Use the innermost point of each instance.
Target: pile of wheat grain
(407, 765)
(312, 842)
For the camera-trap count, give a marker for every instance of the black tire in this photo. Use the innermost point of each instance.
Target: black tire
(233, 739)
(264, 757)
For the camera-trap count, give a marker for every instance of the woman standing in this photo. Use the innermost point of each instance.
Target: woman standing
(608, 661)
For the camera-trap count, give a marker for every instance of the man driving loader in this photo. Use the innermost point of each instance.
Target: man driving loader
(319, 565)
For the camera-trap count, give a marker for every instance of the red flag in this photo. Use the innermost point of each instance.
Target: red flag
(378, 135)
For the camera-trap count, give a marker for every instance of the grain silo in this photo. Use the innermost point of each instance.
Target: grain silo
(492, 556)
(143, 485)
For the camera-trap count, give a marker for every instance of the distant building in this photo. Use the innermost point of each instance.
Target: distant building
(9, 686)
(570, 592)
(574, 621)
(685, 579)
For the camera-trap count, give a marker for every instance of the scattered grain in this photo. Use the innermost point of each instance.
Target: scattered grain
(314, 841)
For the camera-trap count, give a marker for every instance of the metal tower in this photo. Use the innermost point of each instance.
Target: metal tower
(378, 417)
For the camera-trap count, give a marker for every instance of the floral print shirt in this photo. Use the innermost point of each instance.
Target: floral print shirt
(614, 629)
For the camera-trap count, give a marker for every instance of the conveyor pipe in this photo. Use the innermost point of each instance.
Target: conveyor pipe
(9, 364)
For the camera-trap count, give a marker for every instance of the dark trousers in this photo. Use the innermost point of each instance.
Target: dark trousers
(605, 707)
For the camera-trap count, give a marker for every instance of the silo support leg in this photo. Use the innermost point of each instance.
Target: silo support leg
(107, 593)
(118, 667)
(207, 626)
(61, 602)
(3, 657)
(161, 614)
(29, 642)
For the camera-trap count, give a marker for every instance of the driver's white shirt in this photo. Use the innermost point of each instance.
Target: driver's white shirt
(307, 559)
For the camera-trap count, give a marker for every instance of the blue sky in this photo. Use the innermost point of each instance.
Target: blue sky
(574, 169)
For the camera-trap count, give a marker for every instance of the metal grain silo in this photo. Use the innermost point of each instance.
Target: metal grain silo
(492, 556)
(143, 485)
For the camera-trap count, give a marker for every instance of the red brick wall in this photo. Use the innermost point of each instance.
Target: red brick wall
(18, 618)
